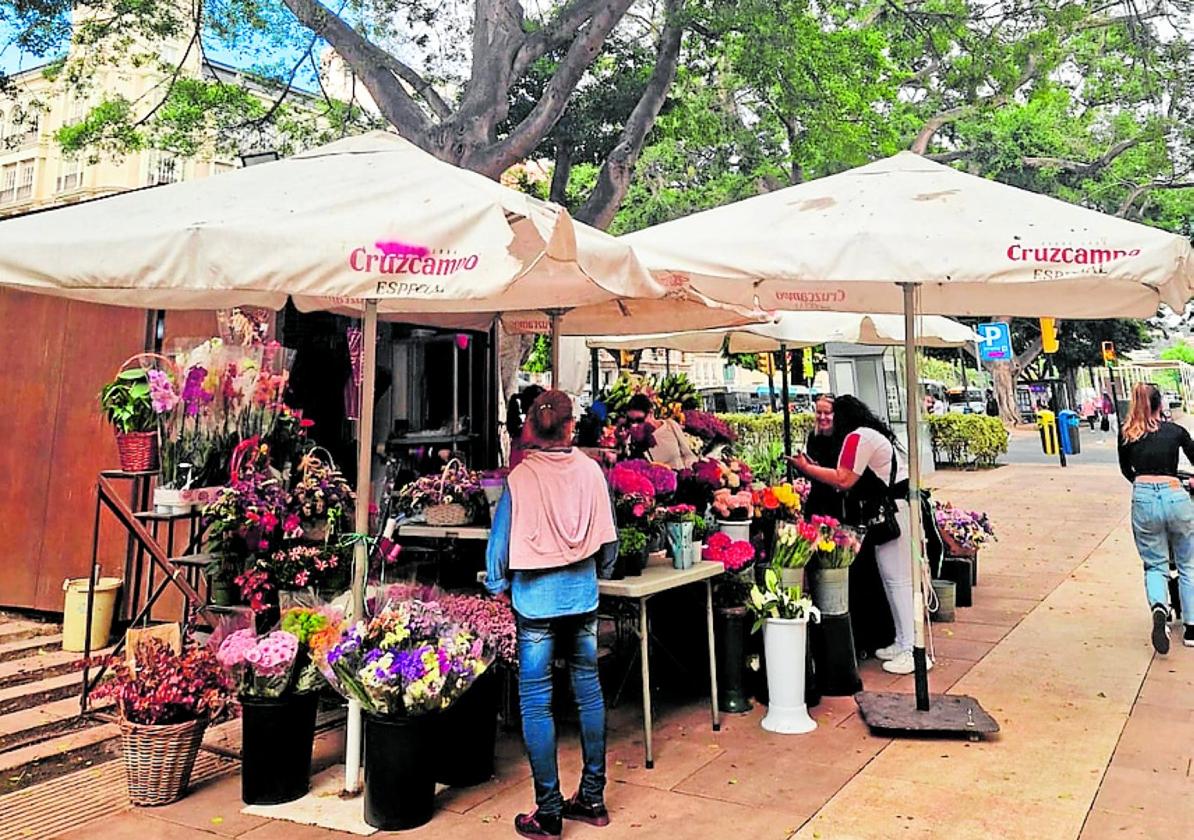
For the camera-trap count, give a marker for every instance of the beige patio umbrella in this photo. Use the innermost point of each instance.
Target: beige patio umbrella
(905, 234)
(366, 225)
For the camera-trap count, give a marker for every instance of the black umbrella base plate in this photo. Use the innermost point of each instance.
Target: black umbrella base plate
(895, 713)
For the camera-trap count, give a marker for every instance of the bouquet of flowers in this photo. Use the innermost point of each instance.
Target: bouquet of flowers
(696, 484)
(773, 600)
(782, 501)
(663, 480)
(406, 661)
(455, 485)
(733, 507)
(165, 686)
(245, 520)
(837, 545)
(709, 428)
(967, 530)
(735, 474)
(490, 619)
(794, 544)
(320, 503)
(634, 496)
(736, 556)
(276, 663)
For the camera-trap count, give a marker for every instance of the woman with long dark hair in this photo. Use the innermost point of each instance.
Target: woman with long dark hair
(1162, 512)
(823, 447)
(872, 468)
(553, 535)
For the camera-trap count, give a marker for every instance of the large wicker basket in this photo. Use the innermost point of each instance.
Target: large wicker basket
(449, 515)
(158, 759)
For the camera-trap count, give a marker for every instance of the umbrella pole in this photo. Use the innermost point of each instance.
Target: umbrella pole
(553, 316)
(783, 360)
(914, 513)
(360, 558)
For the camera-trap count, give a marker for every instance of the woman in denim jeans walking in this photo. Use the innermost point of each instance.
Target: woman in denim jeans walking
(553, 532)
(1162, 512)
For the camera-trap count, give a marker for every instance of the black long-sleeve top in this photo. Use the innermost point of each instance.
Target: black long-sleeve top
(1156, 453)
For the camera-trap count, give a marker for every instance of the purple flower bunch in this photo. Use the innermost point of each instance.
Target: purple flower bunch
(969, 529)
(663, 479)
(708, 427)
(161, 391)
(408, 660)
(490, 620)
(456, 484)
(194, 395)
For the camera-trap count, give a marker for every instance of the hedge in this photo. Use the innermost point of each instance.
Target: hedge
(757, 429)
(965, 440)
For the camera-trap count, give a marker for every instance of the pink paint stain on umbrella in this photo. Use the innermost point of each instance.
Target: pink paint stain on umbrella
(394, 248)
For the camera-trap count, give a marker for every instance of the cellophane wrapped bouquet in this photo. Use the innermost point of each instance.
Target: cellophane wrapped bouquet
(280, 662)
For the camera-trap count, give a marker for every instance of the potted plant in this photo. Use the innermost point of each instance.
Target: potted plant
(447, 499)
(164, 700)
(783, 614)
(702, 527)
(128, 406)
(321, 503)
(406, 666)
(734, 511)
(964, 532)
(632, 552)
(277, 685)
(730, 591)
(469, 726)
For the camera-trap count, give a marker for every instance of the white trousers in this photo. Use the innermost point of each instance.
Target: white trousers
(895, 568)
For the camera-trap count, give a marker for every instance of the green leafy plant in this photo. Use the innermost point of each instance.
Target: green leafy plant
(967, 439)
(766, 461)
(127, 404)
(631, 542)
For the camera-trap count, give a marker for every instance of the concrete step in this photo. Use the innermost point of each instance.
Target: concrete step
(39, 723)
(61, 749)
(17, 629)
(24, 695)
(38, 666)
(32, 646)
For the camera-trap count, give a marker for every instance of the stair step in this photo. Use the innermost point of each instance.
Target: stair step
(59, 748)
(42, 666)
(29, 726)
(17, 629)
(34, 646)
(24, 695)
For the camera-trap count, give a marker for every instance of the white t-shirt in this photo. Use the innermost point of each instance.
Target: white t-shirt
(865, 448)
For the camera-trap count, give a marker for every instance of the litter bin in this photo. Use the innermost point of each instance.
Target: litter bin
(1046, 421)
(74, 613)
(1067, 429)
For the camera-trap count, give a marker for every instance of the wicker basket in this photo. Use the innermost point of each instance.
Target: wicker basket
(443, 516)
(138, 451)
(158, 759)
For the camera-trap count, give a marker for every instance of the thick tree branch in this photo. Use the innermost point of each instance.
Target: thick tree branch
(1142, 189)
(555, 34)
(371, 64)
(528, 133)
(1083, 168)
(616, 172)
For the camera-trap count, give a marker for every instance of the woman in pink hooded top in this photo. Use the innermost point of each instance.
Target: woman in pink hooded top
(553, 534)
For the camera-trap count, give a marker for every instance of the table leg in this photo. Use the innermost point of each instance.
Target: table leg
(644, 656)
(712, 656)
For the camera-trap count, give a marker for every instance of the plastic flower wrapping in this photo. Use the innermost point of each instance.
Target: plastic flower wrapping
(970, 529)
(490, 619)
(773, 600)
(837, 545)
(407, 660)
(279, 662)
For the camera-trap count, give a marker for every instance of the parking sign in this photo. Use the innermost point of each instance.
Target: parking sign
(995, 342)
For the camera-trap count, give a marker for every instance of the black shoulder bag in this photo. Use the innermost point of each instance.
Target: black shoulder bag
(880, 523)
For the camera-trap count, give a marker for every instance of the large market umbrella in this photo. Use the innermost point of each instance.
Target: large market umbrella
(799, 329)
(366, 225)
(903, 234)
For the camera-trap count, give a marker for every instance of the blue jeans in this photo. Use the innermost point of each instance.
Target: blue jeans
(1163, 518)
(577, 637)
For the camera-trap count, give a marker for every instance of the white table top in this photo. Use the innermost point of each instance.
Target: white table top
(454, 532)
(656, 579)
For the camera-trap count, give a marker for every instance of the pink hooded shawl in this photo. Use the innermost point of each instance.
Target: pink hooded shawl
(560, 510)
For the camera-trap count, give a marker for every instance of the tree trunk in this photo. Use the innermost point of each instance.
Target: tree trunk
(560, 173)
(1004, 380)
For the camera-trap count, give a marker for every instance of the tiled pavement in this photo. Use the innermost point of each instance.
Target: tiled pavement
(1097, 741)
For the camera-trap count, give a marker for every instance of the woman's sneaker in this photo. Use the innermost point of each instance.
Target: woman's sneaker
(1188, 637)
(888, 653)
(1161, 628)
(581, 811)
(905, 664)
(538, 825)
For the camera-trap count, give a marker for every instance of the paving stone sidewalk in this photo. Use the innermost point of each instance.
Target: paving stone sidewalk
(1097, 741)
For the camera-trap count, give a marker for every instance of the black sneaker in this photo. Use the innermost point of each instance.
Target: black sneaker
(538, 825)
(596, 814)
(1161, 628)
(1188, 637)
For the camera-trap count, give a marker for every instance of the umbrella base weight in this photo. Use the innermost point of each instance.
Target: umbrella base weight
(896, 713)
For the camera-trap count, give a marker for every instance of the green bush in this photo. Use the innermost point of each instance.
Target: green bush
(967, 439)
(755, 430)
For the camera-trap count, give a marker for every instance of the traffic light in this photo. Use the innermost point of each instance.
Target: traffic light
(1109, 352)
(766, 364)
(1048, 335)
(625, 358)
(809, 373)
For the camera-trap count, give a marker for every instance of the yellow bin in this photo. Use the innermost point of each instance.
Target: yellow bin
(74, 613)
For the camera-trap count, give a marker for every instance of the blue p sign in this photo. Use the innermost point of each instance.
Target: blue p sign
(995, 342)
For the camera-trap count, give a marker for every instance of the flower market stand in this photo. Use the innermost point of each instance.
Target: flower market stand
(653, 581)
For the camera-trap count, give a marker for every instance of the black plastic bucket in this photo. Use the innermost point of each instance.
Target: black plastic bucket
(276, 749)
(468, 732)
(400, 770)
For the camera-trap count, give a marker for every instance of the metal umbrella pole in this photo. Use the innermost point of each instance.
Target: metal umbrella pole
(360, 558)
(783, 358)
(553, 317)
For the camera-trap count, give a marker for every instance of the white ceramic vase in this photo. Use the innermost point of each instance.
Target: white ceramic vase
(736, 531)
(784, 643)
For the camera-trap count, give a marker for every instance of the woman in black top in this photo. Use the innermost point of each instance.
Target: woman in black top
(823, 447)
(1162, 512)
